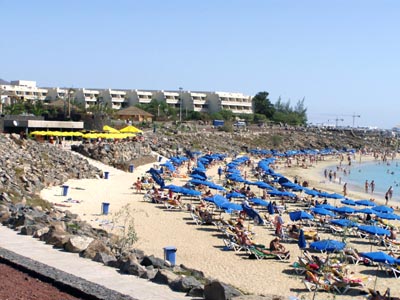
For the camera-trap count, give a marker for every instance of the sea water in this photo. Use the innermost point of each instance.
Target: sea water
(385, 174)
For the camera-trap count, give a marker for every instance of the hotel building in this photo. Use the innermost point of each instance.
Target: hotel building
(200, 101)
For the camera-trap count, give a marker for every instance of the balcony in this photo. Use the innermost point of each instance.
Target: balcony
(117, 100)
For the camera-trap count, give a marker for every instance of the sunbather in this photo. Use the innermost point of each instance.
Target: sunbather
(277, 247)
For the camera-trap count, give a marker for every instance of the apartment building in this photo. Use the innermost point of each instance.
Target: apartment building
(54, 94)
(139, 97)
(25, 90)
(113, 98)
(196, 101)
(238, 103)
(200, 101)
(87, 97)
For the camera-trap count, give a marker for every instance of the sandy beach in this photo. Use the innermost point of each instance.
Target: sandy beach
(201, 247)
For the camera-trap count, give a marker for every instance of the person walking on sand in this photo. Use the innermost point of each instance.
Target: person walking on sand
(345, 189)
(390, 192)
(366, 186)
(372, 186)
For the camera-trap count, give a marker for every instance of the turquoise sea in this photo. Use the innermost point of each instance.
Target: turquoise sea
(385, 174)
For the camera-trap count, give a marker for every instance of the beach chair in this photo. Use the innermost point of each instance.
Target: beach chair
(313, 283)
(390, 269)
(299, 269)
(395, 271)
(261, 255)
(171, 204)
(195, 218)
(336, 230)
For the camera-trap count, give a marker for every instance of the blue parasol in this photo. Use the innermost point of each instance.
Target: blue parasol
(231, 206)
(372, 229)
(367, 211)
(189, 192)
(311, 192)
(302, 240)
(365, 203)
(383, 209)
(262, 185)
(326, 206)
(327, 245)
(387, 216)
(197, 176)
(174, 188)
(334, 196)
(300, 215)
(270, 208)
(348, 202)
(235, 195)
(379, 256)
(258, 201)
(322, 211)
(345, 210)
(344, 223)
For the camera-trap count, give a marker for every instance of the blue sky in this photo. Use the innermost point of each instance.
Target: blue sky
(341, 56)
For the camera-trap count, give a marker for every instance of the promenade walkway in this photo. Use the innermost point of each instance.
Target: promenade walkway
(84, 268)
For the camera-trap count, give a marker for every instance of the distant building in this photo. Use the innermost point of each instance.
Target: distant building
(238, 103)
(139, 97)
(87, 97)
(113, 98)
(200, 101)
(22, 90)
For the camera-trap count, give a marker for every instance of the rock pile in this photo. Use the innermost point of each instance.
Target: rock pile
(273, 138)
(26, 167)
(119, 155)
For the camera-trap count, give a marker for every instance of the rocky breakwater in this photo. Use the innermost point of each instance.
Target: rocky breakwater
(278, 138)
(65, 230)
(26, 167)
(119, 155)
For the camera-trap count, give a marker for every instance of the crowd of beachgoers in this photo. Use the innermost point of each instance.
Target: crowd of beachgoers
(263, 215)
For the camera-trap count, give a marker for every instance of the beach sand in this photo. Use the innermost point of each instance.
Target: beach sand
(201, 247)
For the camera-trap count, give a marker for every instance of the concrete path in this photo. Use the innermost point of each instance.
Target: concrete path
(92, 271)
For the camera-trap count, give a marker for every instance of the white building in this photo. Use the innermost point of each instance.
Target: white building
(22, 90)
(196, 101)
(205, 102)
(87, 97)
(139, 97)
(113, 98)
(238, 103)
(54, 94)
(172, 98)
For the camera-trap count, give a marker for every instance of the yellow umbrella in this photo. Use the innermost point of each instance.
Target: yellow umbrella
(131, 129)
(37, 132)
(110, 129)
(91, 136)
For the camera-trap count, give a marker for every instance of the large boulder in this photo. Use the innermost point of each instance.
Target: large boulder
(152, 261)
(96, 246)
(216, 290)
(30, 229)
(41, 231)
(150, 273)
(132, 266)
(78, 244)
(57, 239)
(165, 276)
(184, 284)
(105, 258)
